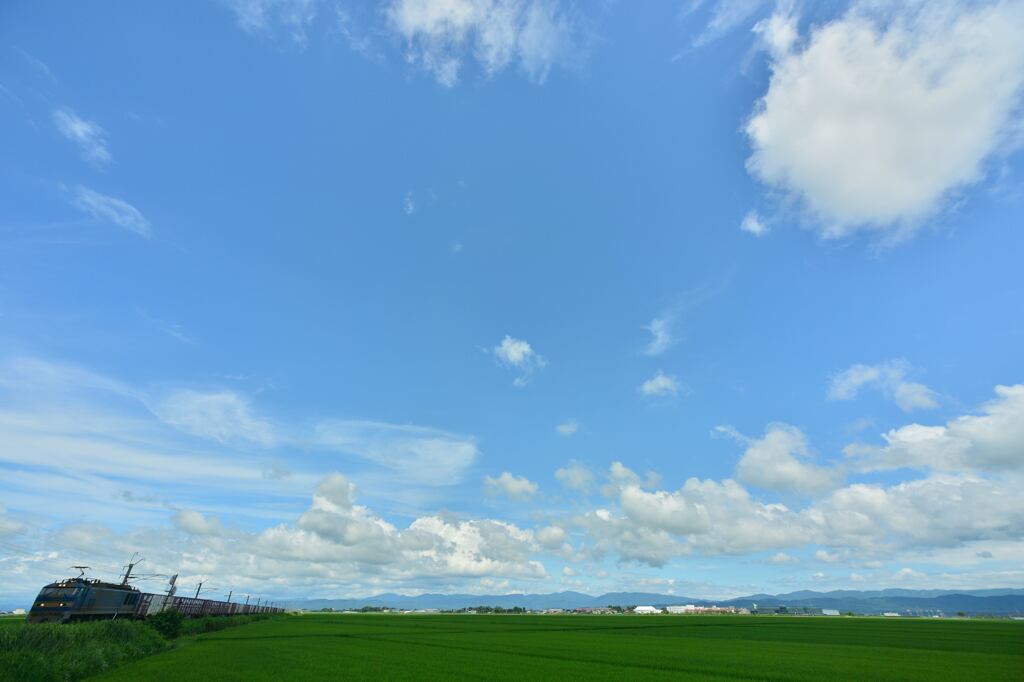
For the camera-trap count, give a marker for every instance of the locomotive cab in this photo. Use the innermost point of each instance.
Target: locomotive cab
(57, 601)
(81, 599)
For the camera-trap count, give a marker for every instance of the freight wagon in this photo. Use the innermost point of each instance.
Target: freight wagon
(78, 599)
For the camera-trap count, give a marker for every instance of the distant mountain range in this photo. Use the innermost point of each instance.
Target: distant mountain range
(950, 602)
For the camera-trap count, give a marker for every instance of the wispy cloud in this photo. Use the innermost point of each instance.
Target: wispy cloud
(268, 17)
(888, 377)
(536, 34)
(724, 16)
(224, 416)
(37, 64)
(568, 428)
(89, 136)
(172, 329)
(660, 385)
(112, 210)
(355, 36)
(439, 35)
(753, 224)
(519, 355)
(416, 454)
(661, 334)
(665, 329)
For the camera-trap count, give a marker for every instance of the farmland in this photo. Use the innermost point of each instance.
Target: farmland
(436, 647)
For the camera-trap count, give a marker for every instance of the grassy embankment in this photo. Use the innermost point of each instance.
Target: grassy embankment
(373, 647)
(72, 652)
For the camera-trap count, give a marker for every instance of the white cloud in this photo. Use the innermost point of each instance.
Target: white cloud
(337, 490)
(778, 461)
(619, 475)
(352, 540)
(551, 537)
(514, 352)
(85, 438)
(990, 441)
(266, 17)
(194, 523)
(725, 16)
(753, 224)
(112, 210)
(224, 416)
(861, 520)
(576, 476)
(478, 548)
(409, 204)
(967, 505)
(665, 511)
(779, 32)
(89, 136)
(69, 446)
(661, 333)
(568, 428)
(888, 377)
(414, 454)
(35, 376)
(512, 487)
(609, 533)
(519, 355)
(939, 511)
(660, 385)
(872, 121)
(334, 542)
(718, 517)
(536, 34)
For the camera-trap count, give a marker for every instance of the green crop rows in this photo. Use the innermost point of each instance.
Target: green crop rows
(429, 647)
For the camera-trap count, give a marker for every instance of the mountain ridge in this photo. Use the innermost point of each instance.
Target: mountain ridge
(994, 601)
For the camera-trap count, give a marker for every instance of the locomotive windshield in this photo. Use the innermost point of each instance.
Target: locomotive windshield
(59, 592)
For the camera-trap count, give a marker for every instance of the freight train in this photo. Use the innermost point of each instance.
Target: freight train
(78, 599)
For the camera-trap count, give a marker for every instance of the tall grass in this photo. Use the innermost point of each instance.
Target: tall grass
(53, 652)
(49, 651)
(197, 626)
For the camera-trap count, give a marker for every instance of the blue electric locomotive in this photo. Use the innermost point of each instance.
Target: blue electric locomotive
(74, 599)
(81, 598)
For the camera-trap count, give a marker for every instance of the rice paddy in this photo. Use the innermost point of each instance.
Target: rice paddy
(437, 647)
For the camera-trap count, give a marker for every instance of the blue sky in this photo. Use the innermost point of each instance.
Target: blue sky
(331, 298)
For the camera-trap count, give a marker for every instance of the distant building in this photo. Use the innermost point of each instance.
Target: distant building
(891, 614)
(600, 610)
(829, 612)
(18, 612)
(690, 608)
(678, 608)
(646, 610)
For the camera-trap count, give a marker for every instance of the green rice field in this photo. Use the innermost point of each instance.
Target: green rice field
(439, 647)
